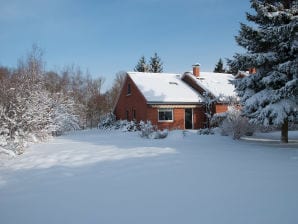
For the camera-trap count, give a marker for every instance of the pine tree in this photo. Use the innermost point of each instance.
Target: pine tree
(268, 97)
(155, 65)
(219, 67)
(142, 65)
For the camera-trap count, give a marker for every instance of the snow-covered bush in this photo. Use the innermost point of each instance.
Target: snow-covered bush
(293, 125)
(13, 146)
(217, 119)
(107, 121)
(7, 152)
(128, 126)
(159, 134)
(147, 130)
(32, 115)
(150, 131)
(236, 125)
(62, 116)
(206, 131)
(10, 140)
(3, 140)
(35, 104)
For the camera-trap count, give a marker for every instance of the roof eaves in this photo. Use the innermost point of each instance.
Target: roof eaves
(173, 102)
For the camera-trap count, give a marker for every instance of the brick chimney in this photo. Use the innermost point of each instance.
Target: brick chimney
(196, 69)
(252, 70)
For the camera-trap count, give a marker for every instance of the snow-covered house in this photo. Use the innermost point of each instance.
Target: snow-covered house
(172, 101)
(162, 98)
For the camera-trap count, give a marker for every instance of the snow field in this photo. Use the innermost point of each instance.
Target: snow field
(115, 177)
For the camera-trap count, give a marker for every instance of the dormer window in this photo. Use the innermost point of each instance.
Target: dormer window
(128, 89)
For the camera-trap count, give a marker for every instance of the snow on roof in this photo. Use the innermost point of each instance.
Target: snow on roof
(218, 84)
(164, 88)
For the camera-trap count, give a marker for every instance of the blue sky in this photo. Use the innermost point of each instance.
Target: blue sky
(107, 36)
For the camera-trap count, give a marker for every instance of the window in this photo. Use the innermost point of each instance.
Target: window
(165, 115)
(128, 89)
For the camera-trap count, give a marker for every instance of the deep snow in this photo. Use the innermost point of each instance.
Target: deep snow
(115, 177)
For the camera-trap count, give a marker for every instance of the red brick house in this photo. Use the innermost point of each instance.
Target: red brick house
(171, 101)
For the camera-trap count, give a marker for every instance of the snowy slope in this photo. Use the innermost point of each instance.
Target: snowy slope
(216, 83)
(104, 177)
(164, 88)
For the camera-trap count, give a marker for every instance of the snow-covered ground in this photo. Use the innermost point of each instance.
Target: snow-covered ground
(115, 177)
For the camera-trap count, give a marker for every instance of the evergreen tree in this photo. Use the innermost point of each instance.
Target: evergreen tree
(155, 64)
(268, 97)
(142, 65)
(219, 67)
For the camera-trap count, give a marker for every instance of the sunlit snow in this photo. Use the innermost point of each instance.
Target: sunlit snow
(116, 177)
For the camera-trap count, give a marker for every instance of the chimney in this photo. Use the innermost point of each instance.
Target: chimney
(252, 70)
(196, 69)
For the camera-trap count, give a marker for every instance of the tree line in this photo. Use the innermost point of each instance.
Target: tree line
(35, 103)
(155, 64)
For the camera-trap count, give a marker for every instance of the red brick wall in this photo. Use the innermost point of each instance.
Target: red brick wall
(134, 101)
(220, 108)
(199, 117)
(179, 114)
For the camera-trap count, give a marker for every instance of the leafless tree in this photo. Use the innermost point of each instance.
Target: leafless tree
(112, 94)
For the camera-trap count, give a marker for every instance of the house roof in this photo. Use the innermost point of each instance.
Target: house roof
(164, 88)
(218, 84)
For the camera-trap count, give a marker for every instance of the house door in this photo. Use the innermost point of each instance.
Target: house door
(188, 119)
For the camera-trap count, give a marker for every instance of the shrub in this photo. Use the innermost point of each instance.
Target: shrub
(150, 131)
(147, 130)
(217, 119)
(129, 126)
(236, 125)
(107, 121)
(206, 131)
(159, 134)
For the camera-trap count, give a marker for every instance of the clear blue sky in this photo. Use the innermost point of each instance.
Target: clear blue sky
(107, 36)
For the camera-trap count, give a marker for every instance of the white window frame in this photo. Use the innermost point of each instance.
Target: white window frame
(166, 110)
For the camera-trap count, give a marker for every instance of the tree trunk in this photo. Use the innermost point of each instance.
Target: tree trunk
(284, 132)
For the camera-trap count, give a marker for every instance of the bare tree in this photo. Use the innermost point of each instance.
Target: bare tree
(34, 102)
(112, 94)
